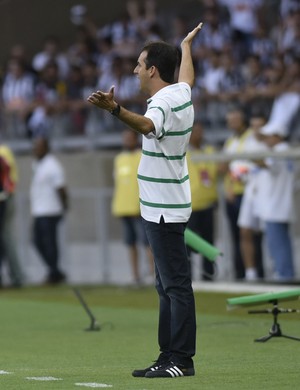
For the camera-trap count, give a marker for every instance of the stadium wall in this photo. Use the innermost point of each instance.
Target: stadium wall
(93, 251)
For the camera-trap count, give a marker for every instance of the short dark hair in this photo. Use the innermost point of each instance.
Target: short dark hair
(164, 57)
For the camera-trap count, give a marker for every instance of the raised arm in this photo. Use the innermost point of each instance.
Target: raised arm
(186, 70)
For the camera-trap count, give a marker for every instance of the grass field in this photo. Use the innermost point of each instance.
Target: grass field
(43, 344)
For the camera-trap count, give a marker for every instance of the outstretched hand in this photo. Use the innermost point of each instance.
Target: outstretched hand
(186, 70)
(191, 35)
(103, 100)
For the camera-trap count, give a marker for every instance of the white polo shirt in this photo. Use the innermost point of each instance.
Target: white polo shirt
(163, 174)
(48, 177)
(277, 198)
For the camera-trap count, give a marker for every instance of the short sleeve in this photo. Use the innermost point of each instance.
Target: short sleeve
(157, 112)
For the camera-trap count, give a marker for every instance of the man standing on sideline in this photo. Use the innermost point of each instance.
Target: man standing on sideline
(49, 201)
(165, 196)
(234, 181)
(251, 226)
(203, 179)
(126, 205)
(277, 207)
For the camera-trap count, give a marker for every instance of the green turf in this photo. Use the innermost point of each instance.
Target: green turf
(42, 335)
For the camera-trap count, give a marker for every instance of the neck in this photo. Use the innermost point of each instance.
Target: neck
(157, 86)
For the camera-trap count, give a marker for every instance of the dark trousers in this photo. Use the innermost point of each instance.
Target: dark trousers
(232, 210)
(177, 320)
(202, 223)
(45, 240)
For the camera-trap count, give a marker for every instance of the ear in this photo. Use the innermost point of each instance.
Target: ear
(153, 71)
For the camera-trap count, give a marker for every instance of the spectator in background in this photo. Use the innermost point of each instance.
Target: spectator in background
(262, 44)
(254, 81)
(49, 202)
(3, 175)
(273, 76)
(233, 79)
(179, 26)
(288, 6)
(124, 33)
(235, 173)
(51, 53)
(126, 204)
(19, 52)
(95, 121)
(84, 47)
(270, 29)
(114, 77)
(277, 202)
(74, 84)
(50, 102)
(127, 86)
(203, 178)
(142, 15)
(18, 92)
(281, 92)
(216, 35)
(231, 85)
(221, 86)
(251, 226)
(287, 100)
(210, 86)
(10, 177)
(286, 34)
(85, 118)
(244, 16)
(105, 54)
(82, 53)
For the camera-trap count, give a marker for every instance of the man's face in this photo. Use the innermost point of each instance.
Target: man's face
(235, 121)
(142, 73)
(256, 123)
(39, 148)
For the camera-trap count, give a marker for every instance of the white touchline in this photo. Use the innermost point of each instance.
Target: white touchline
(2, 372)
(94, 385)
(43, 378)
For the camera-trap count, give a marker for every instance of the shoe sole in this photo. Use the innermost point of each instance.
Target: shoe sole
(170, 373)
(142, 373)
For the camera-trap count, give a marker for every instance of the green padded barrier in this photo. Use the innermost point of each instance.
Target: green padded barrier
(200, 245)
(260, 299)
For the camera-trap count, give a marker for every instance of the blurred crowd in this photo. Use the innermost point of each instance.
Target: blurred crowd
(248, 53)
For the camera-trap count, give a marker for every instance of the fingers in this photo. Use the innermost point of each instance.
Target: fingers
(102, 99)
(99, 95)
(197, 29)
(191, 35)
(112, 90)
(95, 97)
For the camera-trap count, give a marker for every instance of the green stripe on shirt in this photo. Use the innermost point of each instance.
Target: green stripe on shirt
(160, 109)
(182, 107)
(166, 205)
(178, 133)
(162, 155)
(160, 180)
